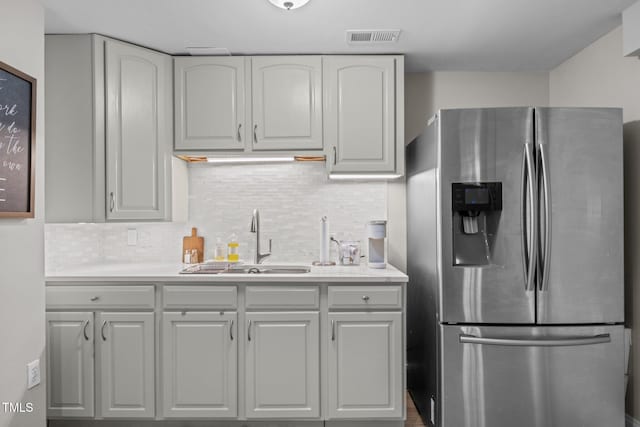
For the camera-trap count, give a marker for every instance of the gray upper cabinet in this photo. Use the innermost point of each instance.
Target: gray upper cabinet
(287, 102)
(363, 125)
(209, 103)
(139, 149)
(109, 133)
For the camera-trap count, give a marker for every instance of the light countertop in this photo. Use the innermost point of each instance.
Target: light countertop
(170, 272)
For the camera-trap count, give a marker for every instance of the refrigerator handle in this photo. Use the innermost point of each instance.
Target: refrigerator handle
(544, 283)
(529, 237)
(528, 342)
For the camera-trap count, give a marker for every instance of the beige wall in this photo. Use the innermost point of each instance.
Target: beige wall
(426, 93)
(600, 75)
(21, 241)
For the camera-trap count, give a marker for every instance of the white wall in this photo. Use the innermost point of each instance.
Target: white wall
(426, 93)
(601, 76)
(21, 241)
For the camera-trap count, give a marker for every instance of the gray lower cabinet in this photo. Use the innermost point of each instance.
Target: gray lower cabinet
(282, 365)
(127, 375)
(365, 365)
(199, 364)
(70, 389)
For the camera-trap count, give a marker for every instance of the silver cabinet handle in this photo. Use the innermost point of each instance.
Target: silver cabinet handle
(84, 330)
(255, 134)
(333, 330)
(335, 156)
(531, 242)
(528, 342)
(239, 135)
(96, 298)
(365, 298)
(104, 325)
(544, 284)
(231, 330)
(112, 202)
(249, 331)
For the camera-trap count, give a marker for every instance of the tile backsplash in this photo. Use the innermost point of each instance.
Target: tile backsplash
(291, 198)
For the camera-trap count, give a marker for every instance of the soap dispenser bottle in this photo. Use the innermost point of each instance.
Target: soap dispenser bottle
(233, 253)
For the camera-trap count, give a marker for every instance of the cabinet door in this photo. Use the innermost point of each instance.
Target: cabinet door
(287, 102)
(365, 365)
(69, 364)
(199, 356)
(209, 103)
(138, 132)
(126, 350)
(282, 372)
(359, 113)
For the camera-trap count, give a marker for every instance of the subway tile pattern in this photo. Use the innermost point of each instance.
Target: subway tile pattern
(291, 198)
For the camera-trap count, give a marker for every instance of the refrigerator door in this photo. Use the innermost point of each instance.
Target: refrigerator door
(486, 277)
(532, 376)
(581, 220)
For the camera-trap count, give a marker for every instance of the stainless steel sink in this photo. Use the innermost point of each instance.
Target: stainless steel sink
(268, 269)
(246, 269)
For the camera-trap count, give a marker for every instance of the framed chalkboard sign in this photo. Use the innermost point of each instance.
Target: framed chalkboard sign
(17, 143)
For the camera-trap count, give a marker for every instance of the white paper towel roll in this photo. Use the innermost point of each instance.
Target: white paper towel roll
(324, 240)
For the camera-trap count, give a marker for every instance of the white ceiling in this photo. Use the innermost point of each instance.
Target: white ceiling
(505, 35)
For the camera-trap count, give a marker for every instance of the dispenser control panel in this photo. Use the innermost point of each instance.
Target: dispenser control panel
(476, 197)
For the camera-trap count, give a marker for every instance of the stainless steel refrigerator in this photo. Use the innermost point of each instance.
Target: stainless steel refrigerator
(515, 263)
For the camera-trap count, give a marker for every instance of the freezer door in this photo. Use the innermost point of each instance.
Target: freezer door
(532, 376)
(581, 221)
(484, 275)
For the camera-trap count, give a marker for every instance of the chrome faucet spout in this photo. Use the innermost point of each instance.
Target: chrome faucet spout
(255, 228)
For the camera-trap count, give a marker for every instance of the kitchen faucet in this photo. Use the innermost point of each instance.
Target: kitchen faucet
(255, 228)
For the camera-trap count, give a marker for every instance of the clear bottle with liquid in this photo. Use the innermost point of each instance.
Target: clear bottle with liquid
(233, 253)
(220, 250)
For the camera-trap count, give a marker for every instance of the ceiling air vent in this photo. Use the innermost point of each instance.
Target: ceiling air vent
(372, 36)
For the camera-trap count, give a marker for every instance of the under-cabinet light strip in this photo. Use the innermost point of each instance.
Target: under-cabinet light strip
(364, 176)
(250, 159)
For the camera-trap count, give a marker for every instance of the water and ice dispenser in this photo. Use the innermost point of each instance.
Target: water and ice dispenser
(476, 215)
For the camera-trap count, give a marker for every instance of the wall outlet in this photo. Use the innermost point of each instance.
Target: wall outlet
(132, 236)
(33, 373)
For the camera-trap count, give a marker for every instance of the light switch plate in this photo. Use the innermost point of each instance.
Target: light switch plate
(33, 373)
(132, 236)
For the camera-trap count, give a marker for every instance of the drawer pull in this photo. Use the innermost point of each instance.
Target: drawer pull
(231, 330)
(95, 298)
(249, 331)
(104, 325)
(365, 298)
(84, 330)
(333, 330)
(239, 136)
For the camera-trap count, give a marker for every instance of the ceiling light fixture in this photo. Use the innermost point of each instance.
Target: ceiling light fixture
(288, 4)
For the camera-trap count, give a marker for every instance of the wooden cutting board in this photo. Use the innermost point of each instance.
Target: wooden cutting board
(194, 242)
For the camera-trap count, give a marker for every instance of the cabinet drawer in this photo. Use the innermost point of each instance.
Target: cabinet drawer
(99, 297)
(267, 297)
(216, 297)
(365, 297)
